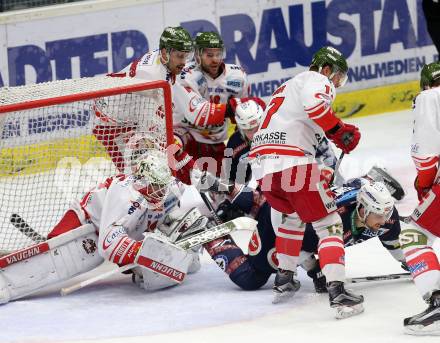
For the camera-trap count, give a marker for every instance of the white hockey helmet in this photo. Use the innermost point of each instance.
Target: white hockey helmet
(375, 198)
(153, 176)
(248, 115)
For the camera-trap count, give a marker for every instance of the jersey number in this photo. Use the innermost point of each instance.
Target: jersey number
(273, 108)
(215, 99)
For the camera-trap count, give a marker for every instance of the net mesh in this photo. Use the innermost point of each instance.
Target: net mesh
(56, 152)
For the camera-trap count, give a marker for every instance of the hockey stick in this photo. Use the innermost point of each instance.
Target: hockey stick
(20, 224)
(67, 290)
(338, 163)
(185, 243)
(210, 208)
(402, 276)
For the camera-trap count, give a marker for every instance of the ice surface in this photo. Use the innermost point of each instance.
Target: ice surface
(210, 308)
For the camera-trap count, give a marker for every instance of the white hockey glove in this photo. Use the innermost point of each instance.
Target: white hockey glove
(206, 182)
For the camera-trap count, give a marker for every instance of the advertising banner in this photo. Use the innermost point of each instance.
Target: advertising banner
(385, 41)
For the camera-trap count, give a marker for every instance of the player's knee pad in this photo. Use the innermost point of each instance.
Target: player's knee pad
(160, 264)
(58, 259)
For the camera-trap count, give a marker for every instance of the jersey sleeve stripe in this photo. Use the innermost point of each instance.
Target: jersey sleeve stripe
(309, 109)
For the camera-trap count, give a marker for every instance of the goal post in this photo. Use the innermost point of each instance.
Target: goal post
(59, 139)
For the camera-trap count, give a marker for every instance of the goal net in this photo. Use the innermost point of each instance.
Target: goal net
(61, 138)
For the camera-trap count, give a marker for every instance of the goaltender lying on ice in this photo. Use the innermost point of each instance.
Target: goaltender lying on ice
(133, 221)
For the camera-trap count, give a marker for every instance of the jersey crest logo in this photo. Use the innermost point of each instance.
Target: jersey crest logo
(272, 258)
(254, 244)
(222, 262)
(89, 245)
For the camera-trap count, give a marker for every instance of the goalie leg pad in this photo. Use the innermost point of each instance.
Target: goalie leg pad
(26, 271)
(160, 263)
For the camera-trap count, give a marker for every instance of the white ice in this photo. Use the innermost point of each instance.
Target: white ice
(207, 307)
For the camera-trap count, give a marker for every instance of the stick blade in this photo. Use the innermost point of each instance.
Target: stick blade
(245, 223)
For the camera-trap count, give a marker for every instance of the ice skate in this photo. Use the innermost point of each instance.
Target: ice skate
(426, 322)
(285, 286)
(346, 303)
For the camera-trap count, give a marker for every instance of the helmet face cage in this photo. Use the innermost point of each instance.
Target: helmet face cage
(375, 198)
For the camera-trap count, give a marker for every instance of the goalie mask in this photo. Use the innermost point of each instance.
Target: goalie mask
(375, 205)
(329, 56)
(248, 117)
(153, 177)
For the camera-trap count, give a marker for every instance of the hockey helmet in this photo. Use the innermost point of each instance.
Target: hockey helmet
(429, 74)
(248, 115)
(329, 56)
(176, 38)
(209, 40)
(374, 198)
(153, 176)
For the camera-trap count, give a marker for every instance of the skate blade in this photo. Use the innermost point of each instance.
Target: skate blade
(421, 330)
(282, 297)
(343, 312)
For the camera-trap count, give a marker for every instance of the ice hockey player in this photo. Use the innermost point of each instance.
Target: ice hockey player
(417, 240)
(220, 83)
(165, 63)
(127, 219)
(248, 117)
(366, 213)
(298, 115)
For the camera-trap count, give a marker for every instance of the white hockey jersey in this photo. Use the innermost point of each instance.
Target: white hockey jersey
(190, 109)
(425, 144)
(121, 215)
(232, 82)
(293, 124)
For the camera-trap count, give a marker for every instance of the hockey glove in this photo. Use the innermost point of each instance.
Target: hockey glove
(319, 280)
(231, 106)
(345, 136)
(421, 191)
(206, 182)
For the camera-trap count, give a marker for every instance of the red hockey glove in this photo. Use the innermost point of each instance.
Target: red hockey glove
(231, 106)
(421, 191)
(181, 163)
(345, 136)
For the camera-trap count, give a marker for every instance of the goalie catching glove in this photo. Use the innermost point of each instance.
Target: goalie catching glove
(345, 136)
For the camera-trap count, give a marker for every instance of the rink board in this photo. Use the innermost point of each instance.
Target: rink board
(364, 102)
